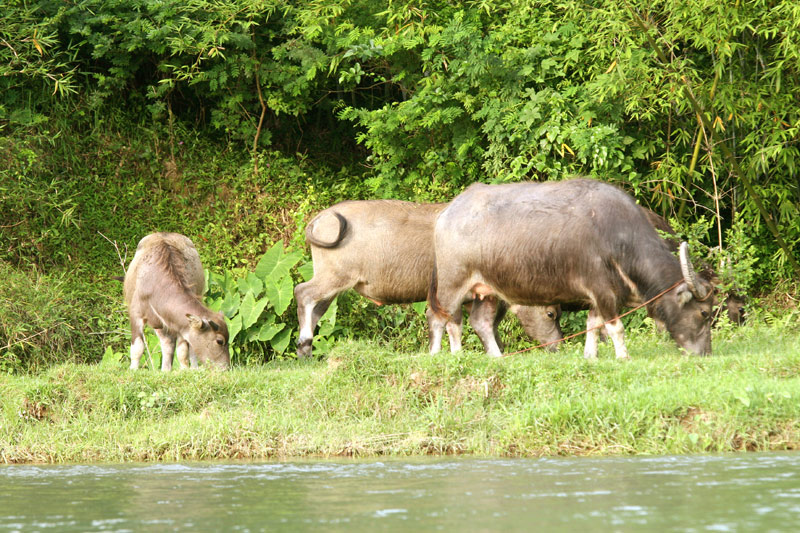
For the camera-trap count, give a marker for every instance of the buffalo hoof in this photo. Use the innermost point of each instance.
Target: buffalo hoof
(304, 348)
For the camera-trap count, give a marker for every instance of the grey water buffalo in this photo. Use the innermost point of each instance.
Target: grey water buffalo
(383, 249)
(578, 241)
(163, 286)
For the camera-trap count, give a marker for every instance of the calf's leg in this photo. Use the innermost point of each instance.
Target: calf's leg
(454, 329)
(482, 320)
(185, 358)
(137, 341)
(167, 349)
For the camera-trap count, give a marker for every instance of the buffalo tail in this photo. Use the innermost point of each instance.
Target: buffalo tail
(322, 244)
(433, 298)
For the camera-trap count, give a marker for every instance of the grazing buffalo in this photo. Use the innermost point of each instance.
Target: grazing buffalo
(580, 242)
(383, 249)
(163, 287)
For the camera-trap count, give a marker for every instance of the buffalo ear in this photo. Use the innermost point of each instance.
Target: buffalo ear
(196, 322)
(684, 294)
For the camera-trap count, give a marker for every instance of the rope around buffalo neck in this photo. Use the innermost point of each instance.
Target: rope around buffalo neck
(651, 300)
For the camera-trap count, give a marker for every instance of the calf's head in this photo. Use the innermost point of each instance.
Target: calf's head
(541, 323)
(735, 308)
(208, 338)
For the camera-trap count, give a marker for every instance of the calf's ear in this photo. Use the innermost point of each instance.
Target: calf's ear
(195, 321)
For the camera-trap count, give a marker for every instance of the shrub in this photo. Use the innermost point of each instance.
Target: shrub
(47, 319)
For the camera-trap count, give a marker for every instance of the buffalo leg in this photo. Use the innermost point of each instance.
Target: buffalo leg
(454, 329)
(502, 309)
(482, 319)
(615, 330)
(449, 301)
(593, 324)
(436, 326)
(313, 314)
(167, 349)
(312, 302)
(438, 322)
(617, 333)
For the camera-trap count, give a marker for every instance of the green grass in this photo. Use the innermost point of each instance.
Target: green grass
(366, 400)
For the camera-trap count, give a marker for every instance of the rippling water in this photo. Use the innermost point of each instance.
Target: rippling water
(754, 492)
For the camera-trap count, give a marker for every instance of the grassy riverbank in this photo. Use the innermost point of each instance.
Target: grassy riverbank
(365, 400)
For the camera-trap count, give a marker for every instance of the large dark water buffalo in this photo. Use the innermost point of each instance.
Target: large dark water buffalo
(578, 241)
(163, 286)
(383, 249)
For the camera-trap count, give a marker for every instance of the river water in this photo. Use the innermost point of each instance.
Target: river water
(748, 492)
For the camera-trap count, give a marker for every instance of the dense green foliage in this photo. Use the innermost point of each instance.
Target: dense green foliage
(232, 121)
(366, 400)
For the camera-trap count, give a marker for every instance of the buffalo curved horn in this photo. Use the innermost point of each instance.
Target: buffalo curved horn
(698, 290)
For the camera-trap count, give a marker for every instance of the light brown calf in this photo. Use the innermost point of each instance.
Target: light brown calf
(163, 287)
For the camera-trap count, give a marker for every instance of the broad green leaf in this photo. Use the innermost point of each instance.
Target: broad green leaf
(215, 304)
(323, 345)
(251, 309)
(275, 264)
(419, 307)
(254, 284)
(242, 285)
(280, 341)
(231, 304)
(110, 357)
(234, 327)
(306, 270)
(268, 331)
(280, 294)
(219, 284)
(265, 332)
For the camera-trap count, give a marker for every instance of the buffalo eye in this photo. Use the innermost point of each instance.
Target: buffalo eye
(221, 342)
(704, 313)
(550, 314)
